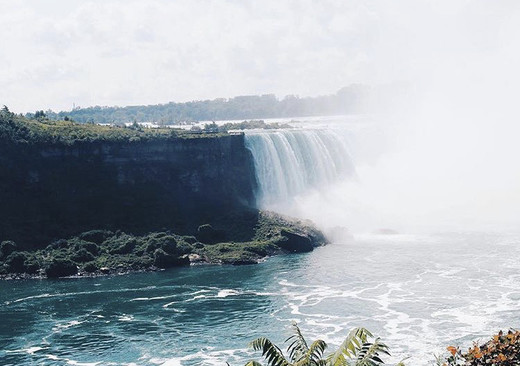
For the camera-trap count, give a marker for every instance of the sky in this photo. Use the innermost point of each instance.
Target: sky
(55, 54)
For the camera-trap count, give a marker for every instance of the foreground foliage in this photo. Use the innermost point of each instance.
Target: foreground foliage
(360, 349)
(502, 350)
(356, 350)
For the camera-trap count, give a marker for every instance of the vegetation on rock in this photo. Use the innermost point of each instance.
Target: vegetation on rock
(41, 130)
(257, 236)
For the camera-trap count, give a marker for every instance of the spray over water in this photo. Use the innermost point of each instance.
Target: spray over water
(444, 157)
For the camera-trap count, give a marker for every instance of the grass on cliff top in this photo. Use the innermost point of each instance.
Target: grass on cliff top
(21, 130)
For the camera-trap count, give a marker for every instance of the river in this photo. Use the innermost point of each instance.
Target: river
(454, 281)
(418, 293)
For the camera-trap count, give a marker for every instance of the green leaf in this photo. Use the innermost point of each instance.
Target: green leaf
(251, 363)
(349, 348)
(270, 351)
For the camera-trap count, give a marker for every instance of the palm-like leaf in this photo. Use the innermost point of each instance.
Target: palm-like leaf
(298, 347)
(368, 355)
(315, 353)
(252, 363)
(349, 348)
(270, 351)
(355, 350)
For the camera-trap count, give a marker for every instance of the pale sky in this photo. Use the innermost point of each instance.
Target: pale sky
(54, 53)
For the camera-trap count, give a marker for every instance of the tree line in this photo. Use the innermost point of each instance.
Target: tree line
(347, 100)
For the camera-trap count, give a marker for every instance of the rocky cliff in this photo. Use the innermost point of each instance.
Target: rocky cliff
(50, 191)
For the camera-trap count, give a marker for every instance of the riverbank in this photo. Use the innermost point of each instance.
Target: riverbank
(245, 237)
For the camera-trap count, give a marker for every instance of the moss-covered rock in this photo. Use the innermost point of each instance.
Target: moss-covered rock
(256, 235)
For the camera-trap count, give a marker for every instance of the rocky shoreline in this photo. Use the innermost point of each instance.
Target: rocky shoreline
(240, 239)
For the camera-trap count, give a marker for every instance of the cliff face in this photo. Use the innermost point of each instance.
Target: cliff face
(53, 191)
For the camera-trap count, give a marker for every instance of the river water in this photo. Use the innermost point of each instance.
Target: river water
(419, 293)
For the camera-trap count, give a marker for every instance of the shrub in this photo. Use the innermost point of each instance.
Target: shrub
(90, 247)
(90, 267)
(165, 260)
(127, 247)
(208, 235)
(6, 248)
(60, 267)
(96, 236)
(82, 255)
(16, 262)
(502, 350)
(59, 244)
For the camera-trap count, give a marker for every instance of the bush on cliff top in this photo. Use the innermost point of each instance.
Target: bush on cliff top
(21, 130)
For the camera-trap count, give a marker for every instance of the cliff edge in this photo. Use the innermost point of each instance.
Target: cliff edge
(61, 180)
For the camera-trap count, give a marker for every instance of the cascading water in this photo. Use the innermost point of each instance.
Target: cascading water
(290, 162)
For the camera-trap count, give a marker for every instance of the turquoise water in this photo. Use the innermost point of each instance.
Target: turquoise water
(419, 293)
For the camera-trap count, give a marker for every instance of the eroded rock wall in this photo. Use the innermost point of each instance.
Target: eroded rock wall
(51, 192)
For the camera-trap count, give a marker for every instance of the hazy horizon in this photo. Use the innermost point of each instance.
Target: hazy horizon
(278, 97)
(87, 53)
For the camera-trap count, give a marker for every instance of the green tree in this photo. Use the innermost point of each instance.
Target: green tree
(40, 114)
(356, 350)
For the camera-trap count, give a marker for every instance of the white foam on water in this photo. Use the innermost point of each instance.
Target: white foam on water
(125, 318)
(227, 292)
(67, 325)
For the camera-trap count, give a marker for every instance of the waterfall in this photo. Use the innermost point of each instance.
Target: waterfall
(290, 162)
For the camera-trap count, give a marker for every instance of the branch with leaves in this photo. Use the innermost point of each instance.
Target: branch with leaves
(356, 350)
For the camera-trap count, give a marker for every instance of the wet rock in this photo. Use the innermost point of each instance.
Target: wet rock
(165, 260)
(195, 258)
(295, 243)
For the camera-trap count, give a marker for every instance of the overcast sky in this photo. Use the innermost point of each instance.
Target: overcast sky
(54, 53)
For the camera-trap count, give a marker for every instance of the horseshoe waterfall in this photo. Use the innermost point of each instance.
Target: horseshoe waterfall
(291, 162)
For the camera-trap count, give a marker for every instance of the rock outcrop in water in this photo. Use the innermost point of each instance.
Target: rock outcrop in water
(96, 252)
(92, 184)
